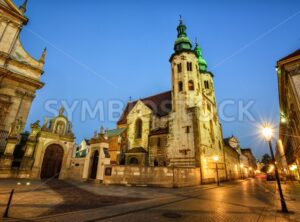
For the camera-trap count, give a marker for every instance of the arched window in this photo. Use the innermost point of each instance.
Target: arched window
(189, 66)
(179, 68)
(180, 86)
(191, 85)
(138, 128)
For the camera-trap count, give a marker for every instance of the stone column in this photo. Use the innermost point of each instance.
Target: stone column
(27, 160)
(8, 157)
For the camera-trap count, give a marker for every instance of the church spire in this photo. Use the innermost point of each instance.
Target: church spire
(43, 56)
(182, 42)
(23, 7)
(201, 61)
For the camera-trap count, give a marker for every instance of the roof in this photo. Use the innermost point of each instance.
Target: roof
(160, 104)
(226, 140)
(10, 5)
(115, 132)
(293, 54)
(159, 131)
(137, 150)
(246, 150)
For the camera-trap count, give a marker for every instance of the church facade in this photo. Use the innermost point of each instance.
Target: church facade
(179, 127)
(20, 73)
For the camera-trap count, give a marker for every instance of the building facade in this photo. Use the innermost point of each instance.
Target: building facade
(288, 146)
(20, 73)
(232, 154)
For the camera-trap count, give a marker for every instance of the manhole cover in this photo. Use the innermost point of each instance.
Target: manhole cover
(172, 215)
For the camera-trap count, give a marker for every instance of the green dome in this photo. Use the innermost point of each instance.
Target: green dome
(201, 61)
(182, 42)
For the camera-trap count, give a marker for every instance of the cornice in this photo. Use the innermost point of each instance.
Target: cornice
(21, 78)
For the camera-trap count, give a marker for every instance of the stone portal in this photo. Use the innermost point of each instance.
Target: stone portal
(52, 161)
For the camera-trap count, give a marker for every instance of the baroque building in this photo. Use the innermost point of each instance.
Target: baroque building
(178, 127)
(288, 145)
(20, 73)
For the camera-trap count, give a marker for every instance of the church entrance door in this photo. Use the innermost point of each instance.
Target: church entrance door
(94, 165)
(52, 161)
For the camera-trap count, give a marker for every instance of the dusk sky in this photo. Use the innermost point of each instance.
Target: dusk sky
(108, 50)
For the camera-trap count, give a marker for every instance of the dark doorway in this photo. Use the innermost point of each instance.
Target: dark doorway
(52, 161)
(94, 165)
(133, 161)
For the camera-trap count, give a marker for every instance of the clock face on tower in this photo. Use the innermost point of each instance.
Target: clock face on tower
(233, 142)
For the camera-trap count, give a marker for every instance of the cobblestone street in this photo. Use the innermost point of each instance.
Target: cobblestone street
(249, 200)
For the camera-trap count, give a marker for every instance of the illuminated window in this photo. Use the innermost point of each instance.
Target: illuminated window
(191, 85)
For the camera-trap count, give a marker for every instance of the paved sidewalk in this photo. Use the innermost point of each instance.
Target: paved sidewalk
(241, 201)
(291, 192)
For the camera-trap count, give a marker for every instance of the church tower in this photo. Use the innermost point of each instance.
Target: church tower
(186, 97)
(195, 135)
(186, 86)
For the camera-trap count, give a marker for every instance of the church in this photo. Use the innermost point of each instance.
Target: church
(179, 127)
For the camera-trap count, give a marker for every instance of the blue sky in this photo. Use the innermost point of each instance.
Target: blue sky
(104, 50)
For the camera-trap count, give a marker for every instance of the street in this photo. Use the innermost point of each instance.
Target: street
(249, 200)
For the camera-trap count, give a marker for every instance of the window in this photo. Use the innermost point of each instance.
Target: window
(212, 132)
(189, 66)
(206, 84)
(180, 86)
(187, 130)
(179, 68)
(158, 142)
(138, 128)
(191, 85)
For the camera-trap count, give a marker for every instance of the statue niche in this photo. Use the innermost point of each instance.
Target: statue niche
(60, 127)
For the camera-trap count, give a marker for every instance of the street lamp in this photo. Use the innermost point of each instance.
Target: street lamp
(267, 132)
(216, 159)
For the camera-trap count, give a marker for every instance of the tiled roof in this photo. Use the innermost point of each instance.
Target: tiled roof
(160, 104)
(115, 132)
(293, 54)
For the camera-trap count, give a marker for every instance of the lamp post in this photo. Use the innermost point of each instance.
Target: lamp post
(216, 159)
(268, 133)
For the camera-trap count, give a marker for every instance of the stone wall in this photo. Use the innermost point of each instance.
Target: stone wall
(75, 172)
(152, 176)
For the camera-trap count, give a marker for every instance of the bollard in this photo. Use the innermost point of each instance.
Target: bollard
(8, 203)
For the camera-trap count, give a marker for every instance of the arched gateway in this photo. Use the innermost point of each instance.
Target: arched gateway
(52, 161)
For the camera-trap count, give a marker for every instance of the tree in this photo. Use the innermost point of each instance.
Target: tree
(266, 159)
